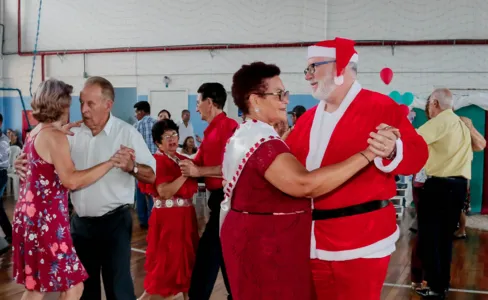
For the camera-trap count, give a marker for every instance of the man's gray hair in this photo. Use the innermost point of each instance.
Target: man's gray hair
(444, 97)
(353, 66)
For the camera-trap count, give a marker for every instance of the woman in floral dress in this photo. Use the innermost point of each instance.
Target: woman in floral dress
(44, 259)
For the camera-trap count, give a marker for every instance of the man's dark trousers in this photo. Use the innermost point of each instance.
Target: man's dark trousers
(209, 254)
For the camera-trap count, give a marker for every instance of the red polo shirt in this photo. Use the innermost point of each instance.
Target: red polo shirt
(211, 151)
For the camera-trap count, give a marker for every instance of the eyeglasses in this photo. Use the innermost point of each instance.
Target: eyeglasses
(311, 67)
(282, 95)
(170, 136)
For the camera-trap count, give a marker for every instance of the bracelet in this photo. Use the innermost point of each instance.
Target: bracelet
(364, 155)
(392, 154)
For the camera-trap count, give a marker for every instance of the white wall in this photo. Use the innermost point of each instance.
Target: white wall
(80, 24)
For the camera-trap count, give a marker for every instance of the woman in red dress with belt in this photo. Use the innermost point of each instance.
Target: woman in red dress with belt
(173, 231)
(44, 259)
(266, 219)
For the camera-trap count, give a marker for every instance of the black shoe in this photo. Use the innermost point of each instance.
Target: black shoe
(4, 246)
(402, 185)
(460, 237)
(428, 293)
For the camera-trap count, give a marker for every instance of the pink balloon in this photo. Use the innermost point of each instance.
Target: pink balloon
(386, 75)
(405, 109)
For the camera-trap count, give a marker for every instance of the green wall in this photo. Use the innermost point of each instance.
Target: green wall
(477, 115)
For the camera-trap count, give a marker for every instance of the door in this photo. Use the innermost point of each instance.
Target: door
(173, 101)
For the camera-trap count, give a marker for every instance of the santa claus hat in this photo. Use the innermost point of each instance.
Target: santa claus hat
(341, 49)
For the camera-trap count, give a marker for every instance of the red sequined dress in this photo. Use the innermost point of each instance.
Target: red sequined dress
(172, 237)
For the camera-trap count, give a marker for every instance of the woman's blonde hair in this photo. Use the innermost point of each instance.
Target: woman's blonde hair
(51, 100)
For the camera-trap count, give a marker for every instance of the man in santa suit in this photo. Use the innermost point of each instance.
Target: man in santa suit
(354, 229)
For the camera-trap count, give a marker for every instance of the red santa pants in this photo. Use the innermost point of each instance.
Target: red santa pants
(360, 279)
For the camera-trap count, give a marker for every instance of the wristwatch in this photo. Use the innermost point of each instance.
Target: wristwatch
(135, 170)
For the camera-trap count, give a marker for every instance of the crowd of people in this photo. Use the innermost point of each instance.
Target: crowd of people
(296, 212)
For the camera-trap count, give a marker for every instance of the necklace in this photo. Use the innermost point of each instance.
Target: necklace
(173, 158)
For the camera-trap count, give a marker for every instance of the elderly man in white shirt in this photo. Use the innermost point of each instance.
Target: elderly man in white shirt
(102, 227)
(185, 128)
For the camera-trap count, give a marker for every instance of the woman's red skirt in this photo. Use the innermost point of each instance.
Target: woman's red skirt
(172, 241)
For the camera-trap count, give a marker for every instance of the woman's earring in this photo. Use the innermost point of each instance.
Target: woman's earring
(256, 109)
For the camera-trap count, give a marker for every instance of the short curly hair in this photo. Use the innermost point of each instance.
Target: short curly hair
(51, 100)
(250, 79)
(160, 127)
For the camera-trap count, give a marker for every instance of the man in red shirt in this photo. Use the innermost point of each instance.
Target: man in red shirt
(207, 163)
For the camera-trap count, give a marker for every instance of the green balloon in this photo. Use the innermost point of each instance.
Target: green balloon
(395, 95)
(407, 98)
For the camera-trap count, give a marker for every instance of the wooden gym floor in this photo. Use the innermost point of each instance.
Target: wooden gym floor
(469, 268)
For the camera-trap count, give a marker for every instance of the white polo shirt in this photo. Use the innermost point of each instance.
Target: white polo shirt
(185, 132)
(117, 187)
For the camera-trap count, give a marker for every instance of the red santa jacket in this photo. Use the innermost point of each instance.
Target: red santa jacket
(372, 234)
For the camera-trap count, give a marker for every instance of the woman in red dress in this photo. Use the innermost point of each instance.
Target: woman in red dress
(44, 259)
(266, 218)
(173, 231)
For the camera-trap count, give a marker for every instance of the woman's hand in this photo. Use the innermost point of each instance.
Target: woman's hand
(286, 134)
(20, 166)
(383, 142)
(66, 129)
(370, 155)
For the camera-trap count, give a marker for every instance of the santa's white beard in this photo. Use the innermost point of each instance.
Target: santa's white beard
(324, 89)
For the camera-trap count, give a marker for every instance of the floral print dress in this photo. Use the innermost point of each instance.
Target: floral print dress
(44, 258)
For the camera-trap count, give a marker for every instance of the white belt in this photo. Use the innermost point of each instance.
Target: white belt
(174, 202)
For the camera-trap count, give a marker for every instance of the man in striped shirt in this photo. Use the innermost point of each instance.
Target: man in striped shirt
(144, 125)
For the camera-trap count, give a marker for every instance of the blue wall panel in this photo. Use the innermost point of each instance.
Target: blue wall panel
(123, 108)
(74, 110)
(12, 112)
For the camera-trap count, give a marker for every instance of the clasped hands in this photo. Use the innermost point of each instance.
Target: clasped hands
(383, 142)
(124, 159)
(189, 169)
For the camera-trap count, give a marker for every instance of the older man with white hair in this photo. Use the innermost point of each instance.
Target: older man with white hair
(354, 227)
(440, 204)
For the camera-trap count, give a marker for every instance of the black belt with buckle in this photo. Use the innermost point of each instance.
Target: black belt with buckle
(111, 213)
(118, 209)
(324, 214)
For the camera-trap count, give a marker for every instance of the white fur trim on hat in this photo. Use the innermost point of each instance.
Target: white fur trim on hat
(354, 58)
(317, 51)
(339, 80)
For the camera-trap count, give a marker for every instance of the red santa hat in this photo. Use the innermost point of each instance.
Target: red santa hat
(341, 49)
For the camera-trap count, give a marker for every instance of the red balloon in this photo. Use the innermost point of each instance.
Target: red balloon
(386, 75)
(405, 109)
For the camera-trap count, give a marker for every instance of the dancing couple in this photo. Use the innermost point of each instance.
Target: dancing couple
(310, 217)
